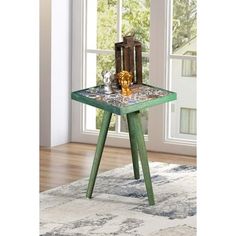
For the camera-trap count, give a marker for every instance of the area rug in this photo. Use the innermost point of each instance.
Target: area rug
(120, 207)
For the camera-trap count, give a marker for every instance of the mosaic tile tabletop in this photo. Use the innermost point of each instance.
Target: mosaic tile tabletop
(143, 96)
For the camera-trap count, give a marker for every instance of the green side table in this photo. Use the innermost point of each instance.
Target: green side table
(143, 96)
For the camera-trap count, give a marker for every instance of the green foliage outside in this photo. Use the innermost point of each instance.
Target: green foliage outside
(136, 19)
(184, 24)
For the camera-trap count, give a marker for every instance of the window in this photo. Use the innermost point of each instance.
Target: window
(107, 22)
(189, 66)
(182, 63)
(188, 121)
(97, 25)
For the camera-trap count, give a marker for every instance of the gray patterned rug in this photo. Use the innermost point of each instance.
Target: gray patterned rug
(119, 205)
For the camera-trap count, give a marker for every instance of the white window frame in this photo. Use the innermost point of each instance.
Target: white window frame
(159, 73)
(79, 131)
(160, 58)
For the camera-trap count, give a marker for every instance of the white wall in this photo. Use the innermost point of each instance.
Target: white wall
(45, 73)
(55, 72)
(61, 72)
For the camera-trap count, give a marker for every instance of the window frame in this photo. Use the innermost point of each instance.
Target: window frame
(161, 56)
(79, 50)
(159, 72)
(171, 55)
(117, 132)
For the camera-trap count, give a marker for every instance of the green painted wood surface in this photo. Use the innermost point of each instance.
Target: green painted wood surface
(135, 119)
(138, 148)
(126, 109)
(134, 148)
(99, 149)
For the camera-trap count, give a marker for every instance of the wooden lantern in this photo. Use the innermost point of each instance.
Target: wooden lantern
(127, 50)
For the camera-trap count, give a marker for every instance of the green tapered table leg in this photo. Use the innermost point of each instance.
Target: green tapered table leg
(134, 148)
(135, 119)
(98, 154)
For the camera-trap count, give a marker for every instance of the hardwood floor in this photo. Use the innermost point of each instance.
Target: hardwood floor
(69, 162)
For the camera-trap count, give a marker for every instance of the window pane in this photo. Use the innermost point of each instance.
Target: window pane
(182, 118)
(102, 34)
(136, 18)
(184, 26)
(144, 122)
(91, 71)
(193, 121)
(184, 121)
(123, 124)
(104, 63)
(95, 65)
(145, 64)
(182, 72)
(188, 121)
(189, 68)
(101, 24)
(99, 115)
